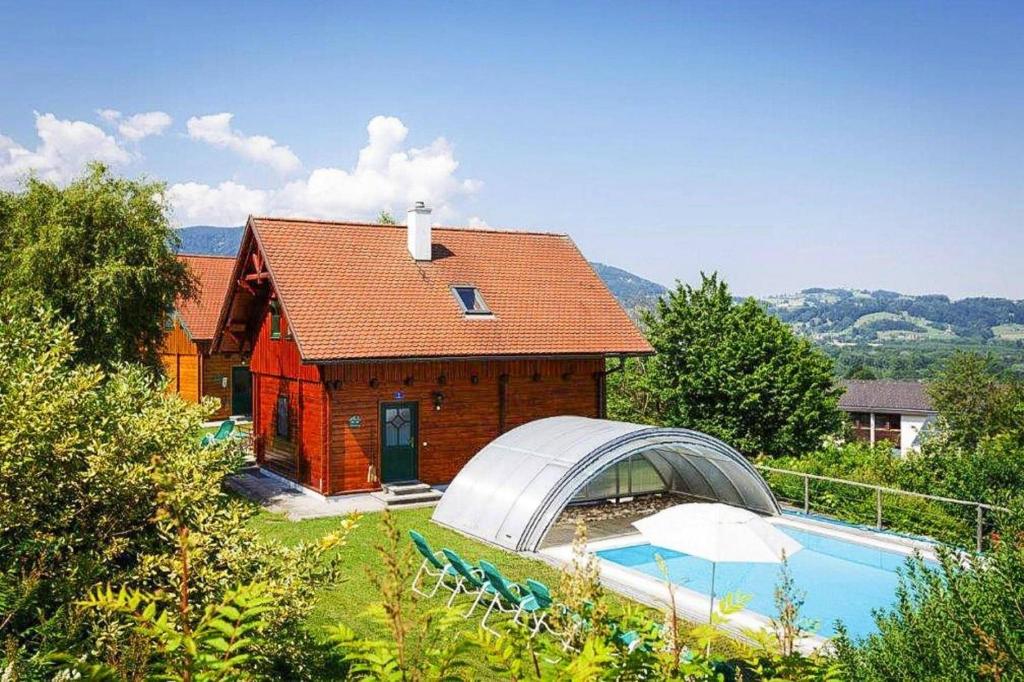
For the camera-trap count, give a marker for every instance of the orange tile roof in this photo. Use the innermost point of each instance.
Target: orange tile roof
(200, 315)
(352, 291)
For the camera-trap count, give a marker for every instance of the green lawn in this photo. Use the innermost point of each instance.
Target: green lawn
(346, 603)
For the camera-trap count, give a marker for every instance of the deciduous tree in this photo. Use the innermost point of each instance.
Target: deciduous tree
(100, 252)
(732, 370)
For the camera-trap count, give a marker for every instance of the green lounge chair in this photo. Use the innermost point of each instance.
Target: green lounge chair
(431, 566)
(227, 427)
(542, 595)
(470, 580)
(509, 597)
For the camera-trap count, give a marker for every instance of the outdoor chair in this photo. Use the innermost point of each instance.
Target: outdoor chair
(469, 580)
(227, 428)
(509, 597)
(542, 596)
(431, 566)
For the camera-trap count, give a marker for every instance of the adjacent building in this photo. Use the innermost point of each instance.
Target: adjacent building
(384, 354)
(194, 370)
(893, 411)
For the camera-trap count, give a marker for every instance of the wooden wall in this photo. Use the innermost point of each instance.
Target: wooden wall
(470, 414)
(180, 358)
(277, 371)
(215, 368)
(481, 399)
(193, 373)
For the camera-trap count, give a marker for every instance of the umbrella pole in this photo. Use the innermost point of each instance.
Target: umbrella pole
(711, 608)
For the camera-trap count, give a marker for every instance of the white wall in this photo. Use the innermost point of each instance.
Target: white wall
(910, 426)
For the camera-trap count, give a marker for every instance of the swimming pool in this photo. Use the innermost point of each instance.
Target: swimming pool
(843, 580)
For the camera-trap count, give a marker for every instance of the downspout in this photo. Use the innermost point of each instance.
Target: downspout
(600, 379)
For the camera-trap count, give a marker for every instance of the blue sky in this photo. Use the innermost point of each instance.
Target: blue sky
(786, 145)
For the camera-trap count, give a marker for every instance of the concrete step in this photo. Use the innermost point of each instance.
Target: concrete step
(422, 497)
(405, 488)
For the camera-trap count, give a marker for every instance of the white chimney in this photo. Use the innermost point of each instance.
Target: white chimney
(418, 231)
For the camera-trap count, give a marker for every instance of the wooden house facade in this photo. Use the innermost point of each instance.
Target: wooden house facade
(383, 354)
(193, 369)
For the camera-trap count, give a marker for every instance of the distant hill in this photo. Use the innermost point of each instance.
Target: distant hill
(632, 291)
(855, 315)
(217, 241)
(825, 315)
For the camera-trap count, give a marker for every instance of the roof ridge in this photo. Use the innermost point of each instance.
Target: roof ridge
(459, 228)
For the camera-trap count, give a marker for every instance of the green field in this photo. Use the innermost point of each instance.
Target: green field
(1009, 332)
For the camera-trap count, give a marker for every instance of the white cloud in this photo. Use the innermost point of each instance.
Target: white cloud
(65, 148)
(216, 130)
(226, 204)
(137, 126)
(385, 176)
(477, 221)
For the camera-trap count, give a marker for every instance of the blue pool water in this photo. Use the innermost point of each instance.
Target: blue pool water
(843, 580)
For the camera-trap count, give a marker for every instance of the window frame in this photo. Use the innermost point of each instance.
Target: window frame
(478, 297)
(282, 402)
(275, 320)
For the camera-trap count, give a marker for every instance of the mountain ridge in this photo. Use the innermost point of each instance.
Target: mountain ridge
(826, 315)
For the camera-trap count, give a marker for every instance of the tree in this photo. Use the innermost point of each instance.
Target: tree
(385, 218)
(730, 370)
(861, 372)
(100, 252)
(974, 402)
(103, 481)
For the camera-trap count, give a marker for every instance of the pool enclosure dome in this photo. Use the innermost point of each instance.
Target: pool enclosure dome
(512, 491)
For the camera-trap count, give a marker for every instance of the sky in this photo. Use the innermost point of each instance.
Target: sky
(784, 145)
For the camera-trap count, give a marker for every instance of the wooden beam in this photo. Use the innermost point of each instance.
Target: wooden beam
(245, 285)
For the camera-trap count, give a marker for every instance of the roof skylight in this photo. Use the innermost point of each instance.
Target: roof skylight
(470, 300)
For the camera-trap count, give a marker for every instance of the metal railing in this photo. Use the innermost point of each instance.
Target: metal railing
(944, 518)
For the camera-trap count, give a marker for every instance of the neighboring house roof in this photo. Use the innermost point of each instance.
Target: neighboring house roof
(200, 315)
(889, 396)
(352, 291)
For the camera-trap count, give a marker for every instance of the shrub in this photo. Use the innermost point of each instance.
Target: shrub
(103, 481)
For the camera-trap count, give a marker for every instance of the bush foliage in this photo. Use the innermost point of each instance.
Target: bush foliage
(730, 370)
(103, 481)
(100, 252)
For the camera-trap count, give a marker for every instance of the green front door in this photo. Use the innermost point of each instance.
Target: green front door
(398, 434)
(241, 391)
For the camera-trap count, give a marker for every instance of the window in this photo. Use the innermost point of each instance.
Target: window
(470, 300)
(281, 423)
(275, 320)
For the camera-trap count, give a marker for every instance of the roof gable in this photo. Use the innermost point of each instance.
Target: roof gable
(200, 315)
(352, 291)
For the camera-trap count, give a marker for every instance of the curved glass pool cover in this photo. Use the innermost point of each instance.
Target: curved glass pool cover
(511, 492)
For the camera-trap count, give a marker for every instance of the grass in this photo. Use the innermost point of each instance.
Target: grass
(347, 603)
(1009, 332)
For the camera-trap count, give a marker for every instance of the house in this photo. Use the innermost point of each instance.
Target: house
(390, 353)
(895, 411)
(192, 367)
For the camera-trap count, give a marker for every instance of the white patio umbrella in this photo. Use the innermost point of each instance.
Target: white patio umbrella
(716, 533)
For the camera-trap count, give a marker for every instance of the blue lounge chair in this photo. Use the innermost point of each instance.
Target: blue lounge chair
(227, 428)
(470, 580)
(431, 566)
(509, 597)
(542, 596)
